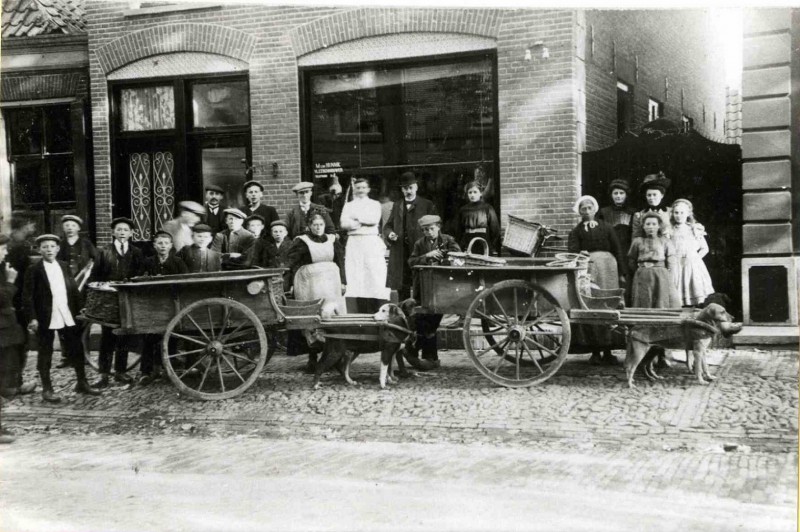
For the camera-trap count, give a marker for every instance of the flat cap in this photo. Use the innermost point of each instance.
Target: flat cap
(429, 219)
(233, 211)
(253, 183)
(122, 220)
(201, 228)
(46, 237)
(163, 233)
(279, 222)
(192, 206)
(72, 218)
(255, 217)
(214, 188)
(303, 185)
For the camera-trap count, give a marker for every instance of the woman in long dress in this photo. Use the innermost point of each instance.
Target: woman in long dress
(688, 237)
(316, 268)
(365, 262)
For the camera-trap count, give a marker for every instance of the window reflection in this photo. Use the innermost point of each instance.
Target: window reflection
(223, 167)
(220, 104)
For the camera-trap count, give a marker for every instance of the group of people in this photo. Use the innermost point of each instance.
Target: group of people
(655, 253)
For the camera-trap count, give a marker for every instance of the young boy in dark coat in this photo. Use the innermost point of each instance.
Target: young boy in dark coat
(51, 302)
(198, 257)
(432, 248)
(118, 261)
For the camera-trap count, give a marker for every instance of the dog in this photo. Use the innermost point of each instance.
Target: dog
(340, 352)
(720, 299)
(694, 337)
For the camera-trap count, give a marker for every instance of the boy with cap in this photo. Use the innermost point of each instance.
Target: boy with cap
(431, 248)
(402, 231)
(296, 217)
(214, 207)
(76, 250)
(234, 242)
(253, 193)
(189, 215)
(165, 262)
(255, 224)
(198, 257)
(118, 261)
(51, 301)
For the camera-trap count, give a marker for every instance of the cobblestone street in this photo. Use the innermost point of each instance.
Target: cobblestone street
(443, 447)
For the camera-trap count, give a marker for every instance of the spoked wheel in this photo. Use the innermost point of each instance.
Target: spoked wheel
(527, 338)
(214, 349)
(91, 347)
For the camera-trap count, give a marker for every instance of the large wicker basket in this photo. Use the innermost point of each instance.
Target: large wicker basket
(523, 236)
(102, 303)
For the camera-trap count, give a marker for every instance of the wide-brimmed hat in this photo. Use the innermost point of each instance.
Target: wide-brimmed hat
(235, 212)
(658, 181)
(429, 219)
(46, 237)
(192, 206)
(302, 185)
(72, 218)
(407, 178)
(251, 184)
(620, 184)
(215, 188)
(122, 220)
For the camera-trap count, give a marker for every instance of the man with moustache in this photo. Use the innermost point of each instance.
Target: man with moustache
(214, 208)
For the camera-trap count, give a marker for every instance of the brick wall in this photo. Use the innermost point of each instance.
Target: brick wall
(677, 55)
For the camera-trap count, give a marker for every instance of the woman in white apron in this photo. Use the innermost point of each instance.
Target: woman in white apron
(365, 262)
(316, 267)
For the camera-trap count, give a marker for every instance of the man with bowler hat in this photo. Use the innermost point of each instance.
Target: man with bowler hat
(214, 208)
(402, 231)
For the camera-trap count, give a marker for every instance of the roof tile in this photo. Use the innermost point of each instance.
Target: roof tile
(27, 18)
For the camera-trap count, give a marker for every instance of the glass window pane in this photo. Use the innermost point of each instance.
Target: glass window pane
(220, 104)
(25, 130)
(147, 108)
(29, 183)
(62, 183)
(223, 167)
(58, 129)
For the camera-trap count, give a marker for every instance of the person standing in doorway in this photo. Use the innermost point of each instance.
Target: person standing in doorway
(402, 231)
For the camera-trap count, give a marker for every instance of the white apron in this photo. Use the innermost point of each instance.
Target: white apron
(320, 279)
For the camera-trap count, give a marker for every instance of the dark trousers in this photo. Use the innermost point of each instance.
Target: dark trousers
(151, 352)
(12, 362)
(427, 325)
(71, 346)
(111, 345)
(405, 289)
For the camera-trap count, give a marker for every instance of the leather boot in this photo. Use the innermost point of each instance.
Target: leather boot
(49, 396)
(102, 382)
(84, 388)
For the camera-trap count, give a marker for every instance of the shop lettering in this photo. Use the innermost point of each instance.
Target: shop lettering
(325, 170)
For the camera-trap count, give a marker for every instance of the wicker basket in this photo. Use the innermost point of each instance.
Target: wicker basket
(469, 258)
(102, 303)
(523, 236)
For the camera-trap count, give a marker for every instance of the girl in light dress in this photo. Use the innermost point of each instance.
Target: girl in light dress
(688, 237)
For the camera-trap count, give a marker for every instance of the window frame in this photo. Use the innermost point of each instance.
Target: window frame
(653, 104)
(625, 124)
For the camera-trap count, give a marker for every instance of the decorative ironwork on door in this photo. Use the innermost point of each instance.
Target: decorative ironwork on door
(152, 192)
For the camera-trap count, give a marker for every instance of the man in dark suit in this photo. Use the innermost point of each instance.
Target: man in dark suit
(51, 301)
(402, 231)
(116, 262)
(214, 207)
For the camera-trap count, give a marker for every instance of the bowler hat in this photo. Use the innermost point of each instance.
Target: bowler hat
(46, 237)
(429, 219)
(201, 228)
(215, 188)
(657, 181)
(122, 220)
(71, 218)
(407, 178)
(233, 211)
(192, 206)
(620, 184)
(302, 185)
(253, 183)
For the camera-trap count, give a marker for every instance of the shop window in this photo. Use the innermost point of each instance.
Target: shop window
(624, 108)
(655, 110)
(174, 137)
(39, 144)
(436, 118)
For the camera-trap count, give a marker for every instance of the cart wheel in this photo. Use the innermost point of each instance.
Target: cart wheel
(528, 337)
(214, 349)
(91, 347)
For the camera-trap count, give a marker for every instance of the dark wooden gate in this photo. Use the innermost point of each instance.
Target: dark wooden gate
(707, 173)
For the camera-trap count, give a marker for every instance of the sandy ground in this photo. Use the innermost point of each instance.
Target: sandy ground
(116, 483)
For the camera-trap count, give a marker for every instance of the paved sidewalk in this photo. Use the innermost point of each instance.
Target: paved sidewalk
(753, 403)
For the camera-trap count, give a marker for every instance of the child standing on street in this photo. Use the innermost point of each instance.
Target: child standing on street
(655, 262)
(688, 237)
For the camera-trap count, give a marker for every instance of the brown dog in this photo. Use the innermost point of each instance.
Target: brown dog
(340, 352)
(690, 336)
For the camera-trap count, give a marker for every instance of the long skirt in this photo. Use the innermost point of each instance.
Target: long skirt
(654, 288)
(603, 269)
(604, 273)
(365, 267)
(695, 282)
(320, 280)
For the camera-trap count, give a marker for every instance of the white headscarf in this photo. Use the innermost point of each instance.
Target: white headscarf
(577, 206)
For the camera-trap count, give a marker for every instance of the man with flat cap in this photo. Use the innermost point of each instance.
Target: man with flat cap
(235, 241)
(253, 194)
(190, 213)
(214, 207)
(51, 302)
(296, 217)
(402, 231)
